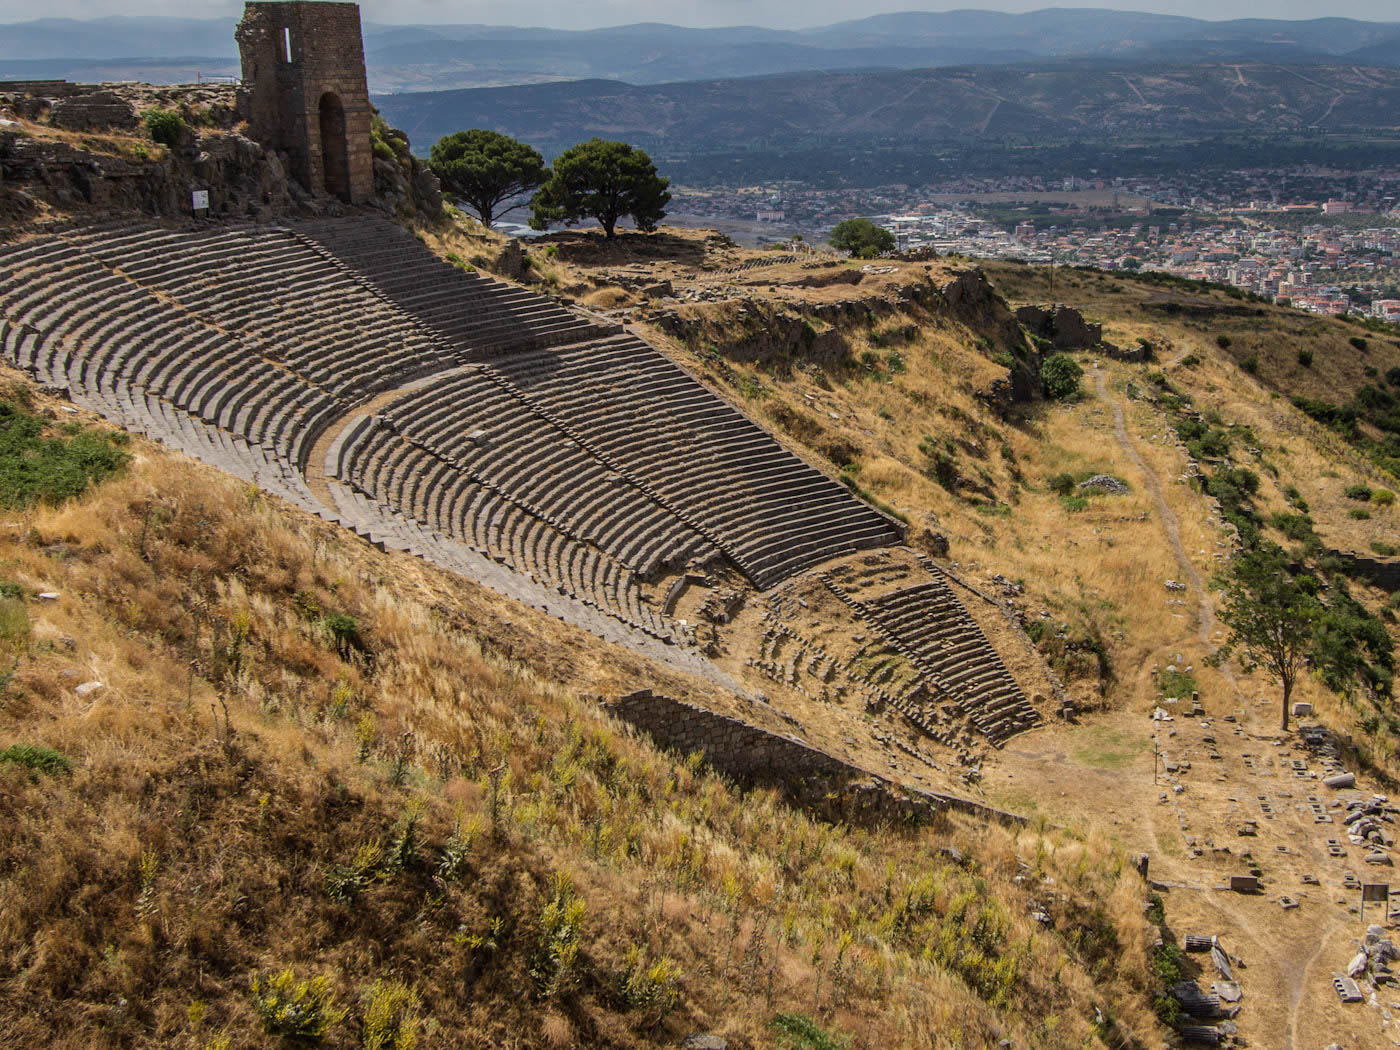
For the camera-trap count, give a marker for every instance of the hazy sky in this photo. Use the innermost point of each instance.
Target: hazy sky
(573, 14)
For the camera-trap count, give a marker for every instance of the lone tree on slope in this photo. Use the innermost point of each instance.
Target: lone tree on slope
(862, 238)
(1271, 615)
(484, 169)
(605, 181)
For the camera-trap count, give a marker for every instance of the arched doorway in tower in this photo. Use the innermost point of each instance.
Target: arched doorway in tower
(335, 156)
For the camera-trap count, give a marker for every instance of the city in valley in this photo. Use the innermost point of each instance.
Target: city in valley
(1324, 243)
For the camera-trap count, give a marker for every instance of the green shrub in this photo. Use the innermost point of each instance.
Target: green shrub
(38, 468)
(1203, 441)
(1168, 1010)
(344, 631)
(1297, 527)
(1383, 549)
(344, 882)
(1251, 364)
(800, 1032)
(165, 126)
(292, 1009)
(1061, 484)
(1074, 504)
(1358, 492)
(556, 950)
(1382, 497)
(36, 759)
(1305, 358)
(1223, 341)
(1359, 513)
(650, 987)
(1061, 375)
(1168, 961)
(1190, 361)
(1176, 683)
(1358, 342)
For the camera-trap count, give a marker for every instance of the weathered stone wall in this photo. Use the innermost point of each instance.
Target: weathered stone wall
(1063, 326)
(812, 778)
(304, 73)
(1382, 574)
(99, 109)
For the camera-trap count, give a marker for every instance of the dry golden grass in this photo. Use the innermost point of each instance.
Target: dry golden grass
(236, 762)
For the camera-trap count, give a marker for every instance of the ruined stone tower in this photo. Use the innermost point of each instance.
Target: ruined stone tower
(305, 92)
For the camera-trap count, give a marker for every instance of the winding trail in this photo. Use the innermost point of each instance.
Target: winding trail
(1170, 523)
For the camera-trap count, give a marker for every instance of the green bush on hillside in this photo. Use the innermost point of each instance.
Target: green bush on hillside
(1061, 375)
(37, 468)
(800, 1032)
(36, 759)
(165, 126)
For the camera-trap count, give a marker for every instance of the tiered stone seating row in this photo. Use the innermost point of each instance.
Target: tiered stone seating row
(82, 328)
(477, 314)
(472, 421)
(932, 627)
(418, 484)
(655, 425)
(288, 301)
(246, 329)
(240, 346)
(146, 413)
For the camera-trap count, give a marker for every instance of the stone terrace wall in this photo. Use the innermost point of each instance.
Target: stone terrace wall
(835, 789)
(1382, 574)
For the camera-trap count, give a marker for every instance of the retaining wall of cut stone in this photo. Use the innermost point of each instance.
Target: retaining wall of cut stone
(810, 777)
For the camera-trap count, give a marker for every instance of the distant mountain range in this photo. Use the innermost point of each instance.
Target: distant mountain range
(1086, 100)
(432, 57)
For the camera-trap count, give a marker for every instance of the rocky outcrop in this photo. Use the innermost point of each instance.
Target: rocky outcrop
(1378, 572)
(241, 179)
(973, 300)
(762, 332)
(770, 332)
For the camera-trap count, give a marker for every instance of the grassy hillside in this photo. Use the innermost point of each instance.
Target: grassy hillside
(264, 780)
